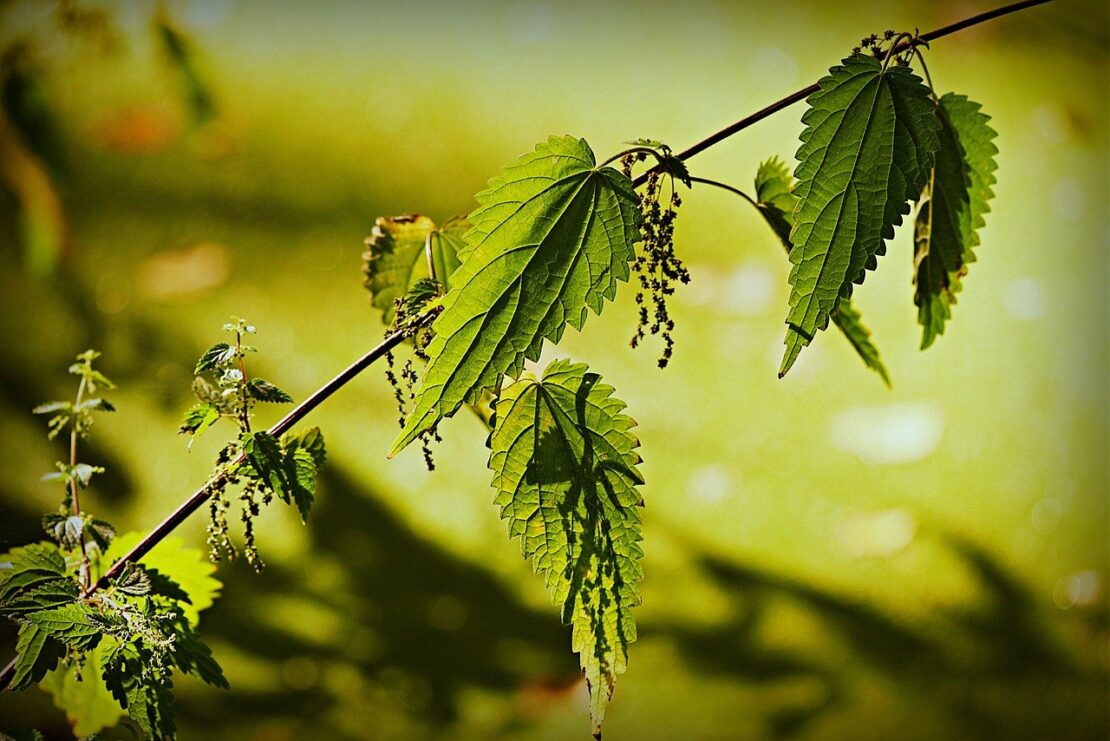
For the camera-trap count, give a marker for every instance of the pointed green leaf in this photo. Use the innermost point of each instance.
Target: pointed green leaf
(32, 578)
(551, 237)
(774, 188)
(36, 654)
(866, 151)
(849, 321)
(267, 392)
(144, 691)
(216, 356)
(400, 252)
(955, 203)
(564, 464)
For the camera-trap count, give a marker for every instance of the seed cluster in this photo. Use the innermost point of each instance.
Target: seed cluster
(404, 387)
(657, 267)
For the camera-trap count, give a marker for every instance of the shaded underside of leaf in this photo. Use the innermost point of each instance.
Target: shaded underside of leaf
(564, 464)
(776, 200)
(551, 237)
(952, 211)
(866, 151)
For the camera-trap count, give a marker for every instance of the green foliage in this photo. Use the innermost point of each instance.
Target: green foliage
(867, 149)
(774, 188)
(954, 203)
(287, 467)
(36, 654)
(564, 464)
(402, 251)
(550, 238)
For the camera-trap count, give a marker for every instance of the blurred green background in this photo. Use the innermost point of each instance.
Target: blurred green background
(825, 558)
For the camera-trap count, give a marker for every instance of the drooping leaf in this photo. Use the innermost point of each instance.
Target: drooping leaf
(850, 323)
(285, 467)
(867, 149)
(36, 654)
(186, 567)
(146, 693)
(954, 204)
(402, 250)
(774, 188)
(87, 703)
(551, 237)
(193, 656)
(564, 464)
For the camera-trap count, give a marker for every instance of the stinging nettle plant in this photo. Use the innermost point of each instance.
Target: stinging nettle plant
(471, 302)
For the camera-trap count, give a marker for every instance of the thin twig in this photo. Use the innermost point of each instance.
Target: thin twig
(805, 92)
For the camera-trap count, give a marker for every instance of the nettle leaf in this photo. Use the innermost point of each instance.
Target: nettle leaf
(564, 464)
(32, 578)
(264, 391)
(187, 568)
(402, 250)
(218, 355)
(68, 624)
(867, 149)
(551, 237)
(954, 204)
(850, 323)
(287, 468)
(36, 654)
(198, 419)
(774, 188)
(146, 694)
(193, 656)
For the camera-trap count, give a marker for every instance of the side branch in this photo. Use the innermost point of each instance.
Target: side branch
(805, 92)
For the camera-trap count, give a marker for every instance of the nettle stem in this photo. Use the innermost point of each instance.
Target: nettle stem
(805, 92)
(193, 503)
(74, 488)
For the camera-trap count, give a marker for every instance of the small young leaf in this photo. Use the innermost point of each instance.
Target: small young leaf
(216, 356)
(955, 203)
(101, 532)
(551, 237)
(564, 464)
(265, 391)
(867, 149)
(198, 419)
(52, 406)
(133, 580)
